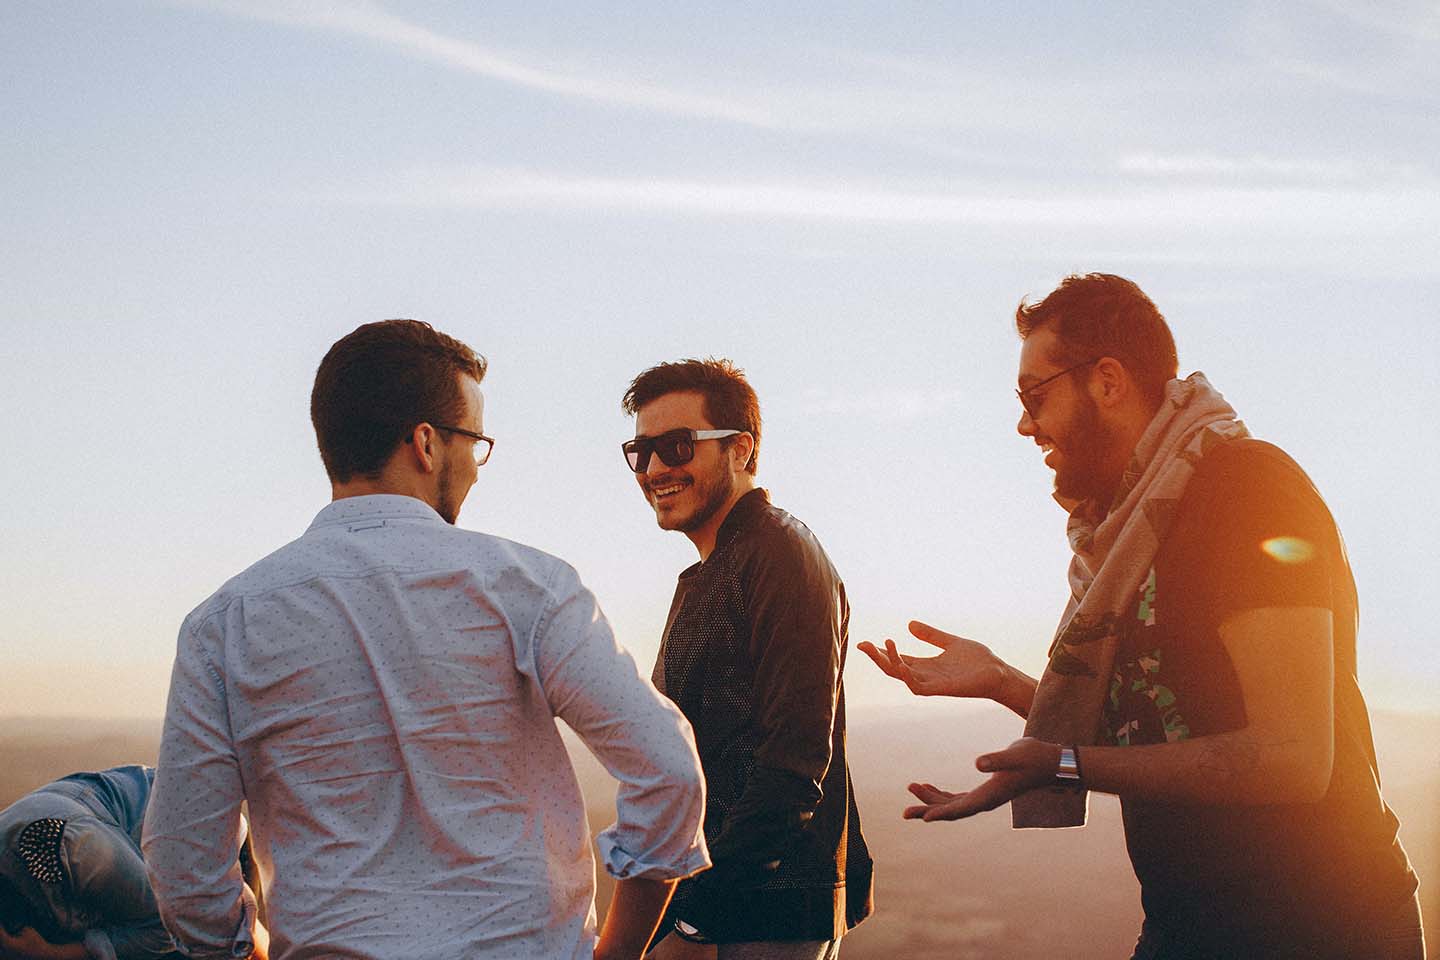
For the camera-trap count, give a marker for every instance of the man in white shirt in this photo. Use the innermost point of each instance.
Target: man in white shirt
(381, 693)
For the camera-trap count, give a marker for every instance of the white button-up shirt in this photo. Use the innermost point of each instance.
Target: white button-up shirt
(382, 692)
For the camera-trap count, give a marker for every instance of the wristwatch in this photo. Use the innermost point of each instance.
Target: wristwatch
(690, 932)
(1067, 772)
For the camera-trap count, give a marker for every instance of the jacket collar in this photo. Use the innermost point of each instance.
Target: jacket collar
(745, 511)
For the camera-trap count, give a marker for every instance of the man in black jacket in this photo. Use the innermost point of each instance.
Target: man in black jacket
(753, 651)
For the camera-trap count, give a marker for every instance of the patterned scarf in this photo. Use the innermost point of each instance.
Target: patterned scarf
(1114, 551)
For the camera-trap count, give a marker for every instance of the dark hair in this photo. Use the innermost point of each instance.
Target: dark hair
(377, 383)
(1102, 315)
(729, 400)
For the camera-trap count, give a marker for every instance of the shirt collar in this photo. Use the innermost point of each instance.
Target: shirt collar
(746, 509)
(377, 506)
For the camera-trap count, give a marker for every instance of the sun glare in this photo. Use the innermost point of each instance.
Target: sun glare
(1288, 549)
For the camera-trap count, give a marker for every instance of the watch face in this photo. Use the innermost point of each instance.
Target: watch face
(1069, 766)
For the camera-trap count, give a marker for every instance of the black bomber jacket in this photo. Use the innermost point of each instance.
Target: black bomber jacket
(752, 654)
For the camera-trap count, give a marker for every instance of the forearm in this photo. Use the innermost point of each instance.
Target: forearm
(1228, 768)
(1016, 689)
(635, 912)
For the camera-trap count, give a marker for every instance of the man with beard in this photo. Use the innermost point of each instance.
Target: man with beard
(1204, 668)
(752, 653)
(382, 693)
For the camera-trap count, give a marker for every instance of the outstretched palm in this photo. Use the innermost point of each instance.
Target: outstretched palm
(962, 668)
(1024, 765)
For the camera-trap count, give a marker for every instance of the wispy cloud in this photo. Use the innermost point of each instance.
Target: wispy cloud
(894, 405)
(1258, 167)
(975, 203)
(372, 22)
(817, 90)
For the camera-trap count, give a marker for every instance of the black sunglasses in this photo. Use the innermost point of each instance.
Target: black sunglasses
(674, 447)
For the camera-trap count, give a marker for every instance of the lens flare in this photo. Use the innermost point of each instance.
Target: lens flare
(1288, 549)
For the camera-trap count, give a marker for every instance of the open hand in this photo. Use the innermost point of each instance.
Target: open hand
(1024, 765)
(963, 668)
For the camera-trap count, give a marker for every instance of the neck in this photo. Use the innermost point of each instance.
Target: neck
(704, 537)
(409, 486)
(1129, 430)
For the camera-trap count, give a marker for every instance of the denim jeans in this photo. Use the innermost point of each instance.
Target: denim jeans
(1396, 936)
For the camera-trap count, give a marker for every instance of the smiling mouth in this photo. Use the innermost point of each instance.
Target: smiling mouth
(664, 491)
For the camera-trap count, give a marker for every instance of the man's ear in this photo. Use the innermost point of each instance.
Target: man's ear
(1111, 384)
(423, 443)
(741, 450)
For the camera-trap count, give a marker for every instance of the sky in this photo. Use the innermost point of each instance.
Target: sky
(848, 200)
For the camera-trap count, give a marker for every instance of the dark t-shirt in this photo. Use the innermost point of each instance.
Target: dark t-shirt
(1250, 532)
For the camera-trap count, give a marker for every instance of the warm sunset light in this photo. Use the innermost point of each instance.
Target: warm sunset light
(201, 196)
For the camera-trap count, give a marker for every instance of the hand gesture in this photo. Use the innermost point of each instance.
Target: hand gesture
(963, 668)
(1024, 765)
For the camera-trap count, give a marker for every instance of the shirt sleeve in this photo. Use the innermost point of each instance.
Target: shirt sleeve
(107, 876)
(193, 828)
(797, 616)
(1267, 534)
(636, 734)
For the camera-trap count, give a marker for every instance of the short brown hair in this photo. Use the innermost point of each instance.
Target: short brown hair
(1102, 315)
(380, 381)
(729, 400)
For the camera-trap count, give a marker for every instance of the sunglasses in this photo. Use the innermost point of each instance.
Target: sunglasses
(674, 447)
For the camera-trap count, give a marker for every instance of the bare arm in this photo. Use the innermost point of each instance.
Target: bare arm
(1284, 753)
(963, 668)
(635, 912)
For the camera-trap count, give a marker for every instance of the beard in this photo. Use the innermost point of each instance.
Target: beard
(711, 492)
(447, 504)
(1083, 475)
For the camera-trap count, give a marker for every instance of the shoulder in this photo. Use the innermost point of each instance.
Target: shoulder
(1249, 461)
(1252, 505)
(514, 569)
(778, 542)
(1253, 477)
(487, 551)
(286, 565)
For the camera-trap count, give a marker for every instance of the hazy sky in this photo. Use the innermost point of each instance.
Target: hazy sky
(848, 200)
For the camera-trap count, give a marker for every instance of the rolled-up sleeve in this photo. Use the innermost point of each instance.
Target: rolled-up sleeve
(636, 734)
(193, 827)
